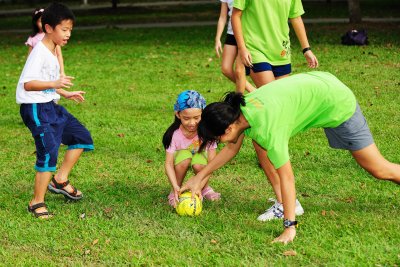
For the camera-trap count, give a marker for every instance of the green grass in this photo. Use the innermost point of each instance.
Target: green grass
(132, 78)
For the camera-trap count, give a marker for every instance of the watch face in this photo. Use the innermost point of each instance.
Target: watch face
(288, 223)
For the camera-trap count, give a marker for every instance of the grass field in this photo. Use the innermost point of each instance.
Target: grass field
(132, 78)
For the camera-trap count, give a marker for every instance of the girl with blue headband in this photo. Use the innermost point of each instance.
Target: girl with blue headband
(182, 144)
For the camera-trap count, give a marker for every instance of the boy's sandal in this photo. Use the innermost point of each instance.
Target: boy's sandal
(58, 188)
(210, 194)
(33, 209)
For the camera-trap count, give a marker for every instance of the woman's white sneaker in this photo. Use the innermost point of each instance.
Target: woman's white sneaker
(276, 211)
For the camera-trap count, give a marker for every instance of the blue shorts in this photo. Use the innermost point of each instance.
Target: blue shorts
(265, 66)
(51, 124)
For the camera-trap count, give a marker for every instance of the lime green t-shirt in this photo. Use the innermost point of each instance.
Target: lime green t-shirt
(283, 108)
(266, 29)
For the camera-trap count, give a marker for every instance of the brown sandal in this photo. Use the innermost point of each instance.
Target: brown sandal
(58, 188)
(33, 209)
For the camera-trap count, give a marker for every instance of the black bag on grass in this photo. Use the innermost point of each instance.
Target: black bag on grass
(355, 37)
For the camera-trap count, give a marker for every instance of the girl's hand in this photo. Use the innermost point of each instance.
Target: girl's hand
(218, 48)
(176, 194)
(311, 59)
(287, 236)
(246, 57)
(64, 82)
(77, 96)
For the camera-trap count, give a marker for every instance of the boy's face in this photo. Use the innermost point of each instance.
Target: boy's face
(61, 33)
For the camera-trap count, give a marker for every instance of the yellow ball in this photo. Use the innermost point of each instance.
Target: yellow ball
(188, 206)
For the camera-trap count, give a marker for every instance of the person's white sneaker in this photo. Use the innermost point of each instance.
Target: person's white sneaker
(276, 211)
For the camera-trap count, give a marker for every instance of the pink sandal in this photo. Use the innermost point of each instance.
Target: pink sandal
(171, 199)
(210, 194)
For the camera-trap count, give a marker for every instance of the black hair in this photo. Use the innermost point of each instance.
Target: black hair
(55, 13)
(36, 14)
(217, 116)
(167, 137)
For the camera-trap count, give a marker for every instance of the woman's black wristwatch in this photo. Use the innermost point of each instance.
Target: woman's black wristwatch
(288, 223)
(306, 49)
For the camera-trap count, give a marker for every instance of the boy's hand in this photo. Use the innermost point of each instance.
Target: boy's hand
(77, 96)
(287, 236)
(64, 82)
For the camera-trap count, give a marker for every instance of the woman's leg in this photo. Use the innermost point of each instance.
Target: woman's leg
(262, 78)
(372, 161)
(228, 59)
(269, 171)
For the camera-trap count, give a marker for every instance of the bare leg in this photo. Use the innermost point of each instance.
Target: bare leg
(262, 78)
(42, 179)
(181, 169)
(269, 171)
(70, 158)
(372, 161)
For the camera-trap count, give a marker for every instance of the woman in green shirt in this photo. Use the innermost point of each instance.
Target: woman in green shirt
(279, 110)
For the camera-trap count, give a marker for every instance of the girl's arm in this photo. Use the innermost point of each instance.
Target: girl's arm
(60, 60)
(237, 30)
(300, 30)
(194, 184)
(170, 172)
(220, 28)
(289, 201)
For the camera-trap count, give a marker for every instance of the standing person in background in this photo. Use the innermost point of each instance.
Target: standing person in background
(229, 51)
(37, 36)
(262, 34)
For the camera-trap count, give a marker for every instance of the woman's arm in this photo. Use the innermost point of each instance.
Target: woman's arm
(220, 28)
(237, 30)
(289, 201)
(300, 30)
(226, 154)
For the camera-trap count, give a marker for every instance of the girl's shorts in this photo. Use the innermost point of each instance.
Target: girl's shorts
(230, 39)
(51, 125)
(353, 134)
(265, 66)
(197, 158)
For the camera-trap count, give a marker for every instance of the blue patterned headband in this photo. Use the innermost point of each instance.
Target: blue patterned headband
(189, 99)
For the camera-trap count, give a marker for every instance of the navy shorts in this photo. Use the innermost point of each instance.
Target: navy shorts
(265, 66)
(230, 39)
(353, 134)
(51, 124)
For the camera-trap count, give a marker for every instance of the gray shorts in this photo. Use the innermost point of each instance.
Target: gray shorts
(353, 134)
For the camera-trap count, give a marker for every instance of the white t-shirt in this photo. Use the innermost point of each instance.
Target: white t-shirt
(230, 6)
(41, 65)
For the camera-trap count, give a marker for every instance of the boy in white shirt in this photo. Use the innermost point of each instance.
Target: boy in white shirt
(38, 89)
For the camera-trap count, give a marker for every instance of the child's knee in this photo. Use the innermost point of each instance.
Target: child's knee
(197, 167)
(227, 71)
(184, 164)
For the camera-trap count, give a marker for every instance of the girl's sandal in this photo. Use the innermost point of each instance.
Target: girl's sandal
(40, 215)
(210, 194)
(58, 188)
(171, 199)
